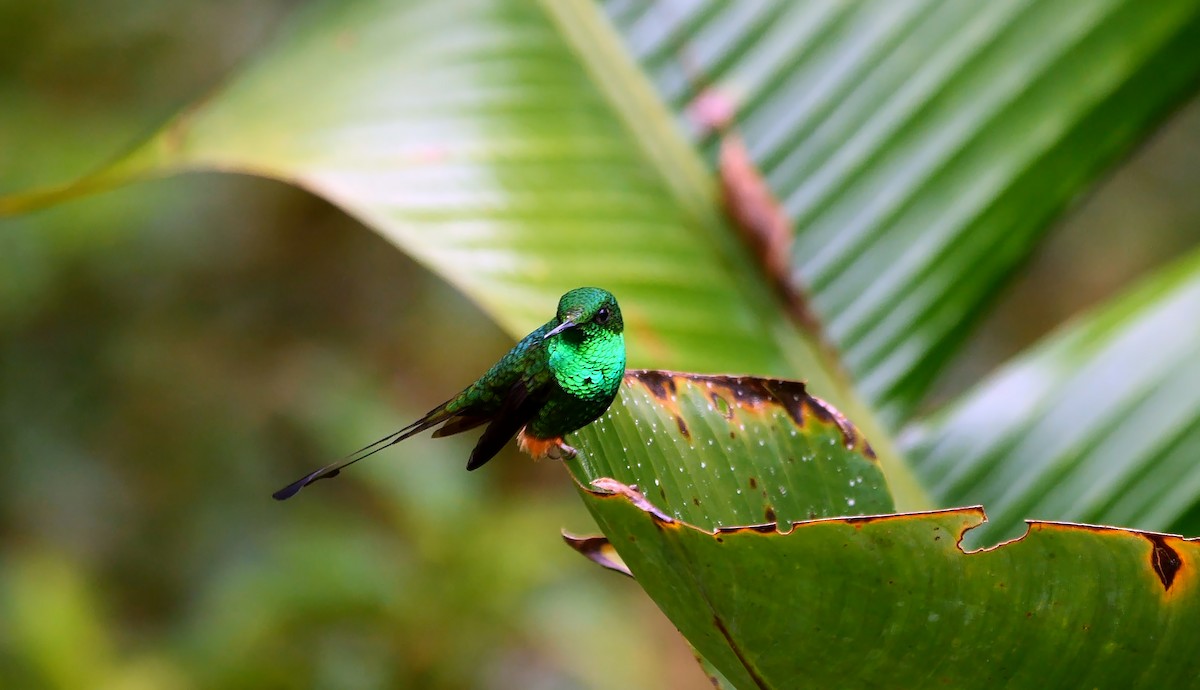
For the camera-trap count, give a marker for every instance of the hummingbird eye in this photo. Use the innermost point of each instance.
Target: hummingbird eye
(601, 316)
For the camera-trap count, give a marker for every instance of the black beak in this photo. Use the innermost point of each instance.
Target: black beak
(559, 328)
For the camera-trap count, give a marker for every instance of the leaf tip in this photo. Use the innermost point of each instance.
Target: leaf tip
(598, 550)
(613, 487)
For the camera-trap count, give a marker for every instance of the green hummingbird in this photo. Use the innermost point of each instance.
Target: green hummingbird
(559, 378)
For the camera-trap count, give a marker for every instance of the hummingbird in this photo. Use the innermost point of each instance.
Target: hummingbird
(559, 378)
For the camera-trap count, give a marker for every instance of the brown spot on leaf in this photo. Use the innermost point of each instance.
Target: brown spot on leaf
(764, 227)
(755, 395)
(751, 205)
(829, 413)
(753, 483)
(683, 427)
(765, 528)
(737, 650)
(716, 682)
(660, 384)
(1164, 559)
(770, 514)
(857, 520)
(598, 550)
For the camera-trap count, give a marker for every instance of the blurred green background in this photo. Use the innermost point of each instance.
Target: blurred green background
(172, 352)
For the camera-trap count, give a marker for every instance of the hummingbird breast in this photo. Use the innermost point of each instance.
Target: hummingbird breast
(588, 374)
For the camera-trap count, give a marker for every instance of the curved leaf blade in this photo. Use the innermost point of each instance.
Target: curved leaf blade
(891, 601)
(724, 450)
(471, 135)
(869, 600)
(1099, 423)
(721, 450)
(921, 148)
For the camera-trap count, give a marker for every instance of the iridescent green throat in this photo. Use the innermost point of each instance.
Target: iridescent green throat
(588, 363)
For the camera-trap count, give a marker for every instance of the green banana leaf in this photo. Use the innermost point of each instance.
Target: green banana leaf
(921, 148)
(471, 135)
(874, 601)
(1100, 423)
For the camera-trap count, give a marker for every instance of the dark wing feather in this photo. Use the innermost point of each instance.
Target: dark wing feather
(520, 406)
(465, 421)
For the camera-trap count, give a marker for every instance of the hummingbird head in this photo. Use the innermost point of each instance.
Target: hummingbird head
(589, 309)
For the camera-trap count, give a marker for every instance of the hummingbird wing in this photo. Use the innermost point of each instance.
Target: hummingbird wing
(465, 421)
(520, 405)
